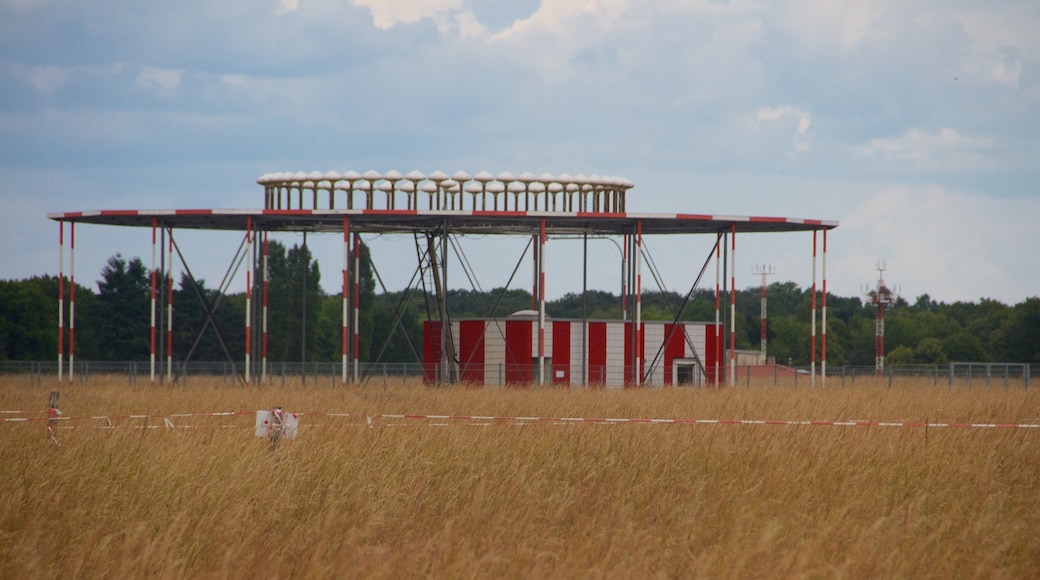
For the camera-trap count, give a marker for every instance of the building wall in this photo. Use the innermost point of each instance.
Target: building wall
(505, 351)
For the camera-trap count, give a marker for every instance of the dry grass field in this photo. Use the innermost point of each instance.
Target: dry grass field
(455, 499)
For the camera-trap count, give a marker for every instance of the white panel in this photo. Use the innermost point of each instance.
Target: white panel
(548, 338)
(494, 352)
(578, 377)
(616, 354)
(653, 338)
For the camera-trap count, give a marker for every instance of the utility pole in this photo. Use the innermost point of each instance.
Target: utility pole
(763, 270)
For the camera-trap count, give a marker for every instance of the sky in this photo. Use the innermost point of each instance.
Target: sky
(916, 125)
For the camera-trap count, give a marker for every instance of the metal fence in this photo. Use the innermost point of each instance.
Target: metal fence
(951, 375)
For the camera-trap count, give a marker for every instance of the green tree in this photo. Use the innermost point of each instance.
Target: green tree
(124, 304)
(294, 292)
(901, 355)
(929, 351)
(1019, 335)
(962, 346)
(28, 323)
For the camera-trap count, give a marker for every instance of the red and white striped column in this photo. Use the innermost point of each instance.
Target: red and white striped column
(72, 302)
(151, 352)
(541, 304)
(263, 322)
(823, 334)
(718, 325)
(624, 277)
(169, 310)
(357, 306)
(733, 306)
(61, 300)
(249, 296)
(639, 304)
(346, 287)
(812, 307)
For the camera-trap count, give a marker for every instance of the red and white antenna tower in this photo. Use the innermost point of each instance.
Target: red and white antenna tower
(764, 270)
(880, 297)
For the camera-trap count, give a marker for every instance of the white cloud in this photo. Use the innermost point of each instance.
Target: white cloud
(287, 6)
(162, 79)
(801, 132)
(388, 13)
(947, 149)
(843, 24)
(44, 79)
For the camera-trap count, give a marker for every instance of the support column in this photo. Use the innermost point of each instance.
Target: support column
(812, 326)
(151, 311)
(719, 241)
(357, 305)
(639, 304)
(169, 311)
(536, 247)
(584, 309)
(823, 335)
(733, 306)
(263, 321)
(72, 302)
(624, 277)
(61, 300)
(345, 294)
(541, 304)
(249, 295)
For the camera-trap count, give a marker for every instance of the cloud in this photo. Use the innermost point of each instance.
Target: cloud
(774, 114)
(163, 80)
(842, 24)
(44, 79)
(389, 13)
(287, 6)
(946, 149)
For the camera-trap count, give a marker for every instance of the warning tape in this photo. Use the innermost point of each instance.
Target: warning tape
(522, 420)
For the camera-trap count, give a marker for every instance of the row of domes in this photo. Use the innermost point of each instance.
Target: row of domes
(546, 179)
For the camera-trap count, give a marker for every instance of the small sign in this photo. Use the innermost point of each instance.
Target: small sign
(266, 423)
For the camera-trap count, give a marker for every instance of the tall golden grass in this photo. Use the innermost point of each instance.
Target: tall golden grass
(535, 500)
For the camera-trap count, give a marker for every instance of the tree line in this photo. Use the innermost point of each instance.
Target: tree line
(305, 323)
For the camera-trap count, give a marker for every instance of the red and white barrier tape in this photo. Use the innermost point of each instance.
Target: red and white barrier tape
(553, 420)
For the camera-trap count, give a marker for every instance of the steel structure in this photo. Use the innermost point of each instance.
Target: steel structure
(763, 271)
(437, 206)
(880, 298)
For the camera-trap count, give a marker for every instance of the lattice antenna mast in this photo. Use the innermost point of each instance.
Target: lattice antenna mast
(763, 270)
(880, 298)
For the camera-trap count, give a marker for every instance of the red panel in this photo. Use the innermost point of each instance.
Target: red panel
(597, 353)
(712, 353)
(431, 350)
(519, 367)
(471, 351)
(561, 352)
(675, 347)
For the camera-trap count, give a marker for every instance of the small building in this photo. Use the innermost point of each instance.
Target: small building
(504, 351)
